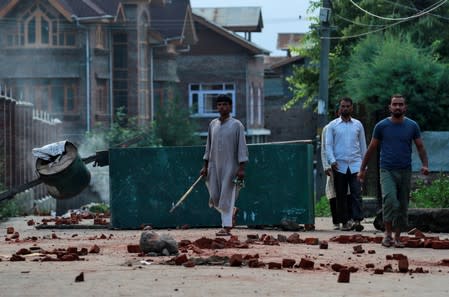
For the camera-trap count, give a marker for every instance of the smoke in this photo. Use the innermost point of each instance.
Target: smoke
(99, 182)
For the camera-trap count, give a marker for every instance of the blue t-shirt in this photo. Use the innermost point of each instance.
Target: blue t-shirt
(396, 142)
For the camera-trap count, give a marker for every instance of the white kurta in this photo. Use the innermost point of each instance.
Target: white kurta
(225, 149)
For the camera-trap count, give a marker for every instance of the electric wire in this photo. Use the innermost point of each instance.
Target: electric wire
(423, 12)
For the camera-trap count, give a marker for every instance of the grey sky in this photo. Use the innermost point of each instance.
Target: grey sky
(279, 16)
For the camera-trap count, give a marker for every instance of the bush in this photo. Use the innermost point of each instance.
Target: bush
(99, 208)
(322, 208)
(8, 209)
(435, 195)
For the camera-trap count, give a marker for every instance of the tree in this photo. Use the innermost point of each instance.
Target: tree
(422, 23)
(383, 65)
(174, 125)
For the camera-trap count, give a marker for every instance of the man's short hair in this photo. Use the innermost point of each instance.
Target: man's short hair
(346, 99)
(397, 96)
(224, 98)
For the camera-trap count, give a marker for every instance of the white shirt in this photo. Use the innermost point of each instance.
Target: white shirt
(345, 144)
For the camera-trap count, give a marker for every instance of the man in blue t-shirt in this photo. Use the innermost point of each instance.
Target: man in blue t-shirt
(395, 135)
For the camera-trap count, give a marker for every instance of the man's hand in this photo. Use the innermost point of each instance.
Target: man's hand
(240, 173)
(334, 166)
(328, 172)
(203, 171)
(425, 170)
(361, 175)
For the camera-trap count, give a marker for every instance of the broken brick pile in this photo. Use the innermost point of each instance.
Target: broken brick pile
(60, 254)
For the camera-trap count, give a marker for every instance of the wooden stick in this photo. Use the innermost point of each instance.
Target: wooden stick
(186, 194)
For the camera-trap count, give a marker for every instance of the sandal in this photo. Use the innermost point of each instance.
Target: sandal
(387, 241)
(398, 244)
(223, 232)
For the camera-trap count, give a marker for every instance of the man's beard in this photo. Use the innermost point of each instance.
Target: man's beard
(397, 114)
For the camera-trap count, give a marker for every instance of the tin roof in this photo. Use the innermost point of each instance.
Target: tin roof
(237, 19)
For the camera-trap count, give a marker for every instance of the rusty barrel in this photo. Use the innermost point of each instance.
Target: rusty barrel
(66, 176)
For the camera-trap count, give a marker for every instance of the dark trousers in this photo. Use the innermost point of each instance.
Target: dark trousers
(333, 207)
(348, 206)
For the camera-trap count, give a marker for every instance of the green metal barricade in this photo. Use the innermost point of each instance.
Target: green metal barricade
(146, 182)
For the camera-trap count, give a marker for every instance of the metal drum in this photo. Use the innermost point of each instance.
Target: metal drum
(66, 176)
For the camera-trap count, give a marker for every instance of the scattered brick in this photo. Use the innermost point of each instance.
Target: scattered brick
(440, 244)
(358, 249)
(189, 264)
(15, 258)
(54, 236)
(23, 251)
(282, 238)
(288, 263)
(10, 230)
(16, 235)
(403, 265)
(133, 248)
(311, 241)
(95, 249)
(344, 276)
(306, 264)
(378, 271)
(83, 252)
(72, 250)
(444, 262)
(324, 245)
(31, 223)
(337, 267)
(181, 259)
(399, 256)
(371, 252)
(369, 265)
(294, 238)
(274, 265)
(79, 278)
(236, 260)
(253, 236)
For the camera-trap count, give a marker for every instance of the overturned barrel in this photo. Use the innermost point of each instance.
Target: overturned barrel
(66, 175)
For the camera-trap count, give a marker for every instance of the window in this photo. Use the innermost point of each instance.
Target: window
(57, 97)
(39, 27)
(99, 37)
(202, 98)
(102, 98)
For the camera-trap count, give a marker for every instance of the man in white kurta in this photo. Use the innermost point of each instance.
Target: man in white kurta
(225, 155)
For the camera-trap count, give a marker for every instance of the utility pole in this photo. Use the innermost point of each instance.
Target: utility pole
(323, 96)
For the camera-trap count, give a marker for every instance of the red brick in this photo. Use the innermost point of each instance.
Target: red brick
(440, 244)
(403, 265)
(189, 264)
(378, 271)
(10, 230)
(288, 263)
(274, 265)
(181, 259)
(236, 260)
(337, 267)
(306, 264)
(294, 238)
(344, 276)
(324, 245)
(133, 248)
(95, 249)
(311, 241)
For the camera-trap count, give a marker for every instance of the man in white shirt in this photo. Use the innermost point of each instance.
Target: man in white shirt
(345, 149)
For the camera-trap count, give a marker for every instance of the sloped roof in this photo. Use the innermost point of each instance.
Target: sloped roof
(237, 19)
(79, 8)
(287, 40)
(252, 47)
(173, 20)
(277, 62)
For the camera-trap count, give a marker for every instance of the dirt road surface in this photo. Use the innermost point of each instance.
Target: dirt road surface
(116, 272)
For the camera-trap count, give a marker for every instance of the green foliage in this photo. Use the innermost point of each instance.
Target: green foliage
(8, 209)
(174, 125)
(124, 132)
(383, 65)
(435, 195)
(322, 208)
(415, 65)
(99, 208)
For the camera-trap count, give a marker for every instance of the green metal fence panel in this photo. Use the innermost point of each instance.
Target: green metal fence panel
(146, 182)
